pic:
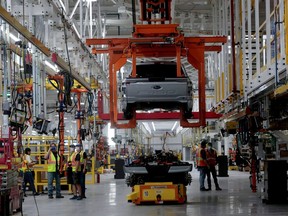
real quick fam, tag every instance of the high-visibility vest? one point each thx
(211, 157)
(81, 158)
(199, 160)
(52, 162)
(73, 157)
(24, 167)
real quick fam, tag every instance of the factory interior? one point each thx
(119, 104)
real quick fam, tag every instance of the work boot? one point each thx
(50, 196)
(74, 197)
(203, 189)
(218, 188)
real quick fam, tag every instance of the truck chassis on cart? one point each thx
(158, 178)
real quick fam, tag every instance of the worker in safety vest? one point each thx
(83, 162)
(68, 168)
(76, 169)
(53, 172)
(202, 164)
(211, 155)
(26, 168)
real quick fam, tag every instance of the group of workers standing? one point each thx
(206, 160)
(75, 167)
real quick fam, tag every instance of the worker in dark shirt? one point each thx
(202, 164)
(83, 162)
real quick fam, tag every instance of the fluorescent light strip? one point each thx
(76, 30)
(13, 37)
(174, 126)
(74, 9)
(51, 66)
(146, 127)
(153, 126)
(62, 4)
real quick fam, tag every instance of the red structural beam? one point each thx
(160, 116)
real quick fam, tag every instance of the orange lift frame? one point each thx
(156, 40)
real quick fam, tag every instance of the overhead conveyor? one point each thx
(158, 38)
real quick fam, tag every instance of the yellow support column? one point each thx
(222, 86)
(241, 74)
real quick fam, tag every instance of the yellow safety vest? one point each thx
(24, 167)
(73, 157)
(81, 158)
(52, 162)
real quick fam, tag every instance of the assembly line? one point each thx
(147, 107)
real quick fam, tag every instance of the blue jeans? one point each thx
(28, 178)
(51, 176)
(203, 173)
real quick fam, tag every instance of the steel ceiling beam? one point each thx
(40, 46)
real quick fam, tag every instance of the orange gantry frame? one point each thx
(78, 92)
(156, 40)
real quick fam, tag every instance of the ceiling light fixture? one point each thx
(53, 67)
(146, 126)
(13, 37)
(153, 126)
(174, 126)
(62, 5)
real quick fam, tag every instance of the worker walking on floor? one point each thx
(211, 155)
(27, 165)
(53, 171)
(202, 164)
(76, 169)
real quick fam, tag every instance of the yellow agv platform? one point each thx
(158, 193)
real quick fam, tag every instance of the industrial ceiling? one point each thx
(63, 26)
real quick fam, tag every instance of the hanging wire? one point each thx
(90, 98)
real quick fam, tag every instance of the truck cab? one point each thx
(156, 85)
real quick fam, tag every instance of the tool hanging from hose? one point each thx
(248, 127)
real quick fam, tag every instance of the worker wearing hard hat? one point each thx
(27, 165)
(54, 165)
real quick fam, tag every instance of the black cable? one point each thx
(14, 80)
(56, 87)
(90, 98)
(68, 80)
(51, 112)
(36, 205)
(68, 84)
(70, 111)
(66, 43)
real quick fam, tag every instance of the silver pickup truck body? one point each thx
(157, 86)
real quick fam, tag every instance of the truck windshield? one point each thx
(156, 70)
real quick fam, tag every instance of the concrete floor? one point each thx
(109, 198)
